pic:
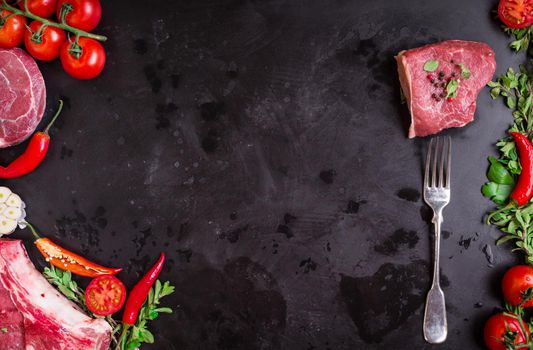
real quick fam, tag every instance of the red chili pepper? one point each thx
(523, 190)
(139, 293)
(33, 155)
(69, 261)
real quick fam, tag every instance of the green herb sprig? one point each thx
(516, 89)
(522, 39)
(62, 280)
(133, 338)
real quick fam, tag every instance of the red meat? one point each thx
(431, 111)
(22, 96)
(37, 316)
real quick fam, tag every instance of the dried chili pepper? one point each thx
(67, 260)
(140, 291)
(523, 190)
(34, 153)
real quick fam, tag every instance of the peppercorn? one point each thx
(438, 99)
(432, 81)
(442, 84)
(442, 95)
(453, 74)
(441, 74)
(434, 95)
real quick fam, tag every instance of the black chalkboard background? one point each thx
(262, 146)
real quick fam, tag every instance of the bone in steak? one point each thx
(425, 93)
(38, 317)
(22, 96)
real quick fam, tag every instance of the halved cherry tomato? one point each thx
(105, 295)
(517, 283)
(11, 29)
(82, 14)
(84, 60)
(504, 326)
(41, 8)
(44, 43)
(516, 13)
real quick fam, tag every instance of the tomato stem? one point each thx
(26, 13)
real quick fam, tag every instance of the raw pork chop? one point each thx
(41, 318)
(431, 111)
(22, 96)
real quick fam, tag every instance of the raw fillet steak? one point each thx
(22, 96)
(432, 112)
(50, 321)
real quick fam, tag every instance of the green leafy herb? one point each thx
(465, 72)
(63, 281)
(4, 330)
(431, 65)
(451, 88)
(516, 90)
(498, 173)
(132, 338)
(522, 39)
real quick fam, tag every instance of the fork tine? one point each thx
(449, 163)
(428, 161)
(434, 165)
(441, 164)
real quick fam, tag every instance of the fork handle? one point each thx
(435, 324)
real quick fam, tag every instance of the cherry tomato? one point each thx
(515, 283)
(41, 8)
(89, 64)
(516, 13)
(503, 324)
(44, 44)
(11, 29)
(83, 14)
(105, 295)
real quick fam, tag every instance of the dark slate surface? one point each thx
(262, 145)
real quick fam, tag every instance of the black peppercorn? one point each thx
(442, 95)
(438, 99)
(453, 74)
(441, 74)
(442, 84)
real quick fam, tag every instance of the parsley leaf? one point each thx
(4, 330)
(451, 88)
(465, 72)
(431, 65)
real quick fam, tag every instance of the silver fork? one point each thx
(437, 196)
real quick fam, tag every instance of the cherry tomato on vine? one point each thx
(516, 13)
(502, 328)
(81, 14)
(105, 295)
(44, 43)
(516, 284)
(84, 60)
(11, 29)
(41, 8)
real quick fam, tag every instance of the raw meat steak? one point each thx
(22, 96)
(40, 317)
(425, 93)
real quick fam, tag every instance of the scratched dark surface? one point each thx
(262, 146)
